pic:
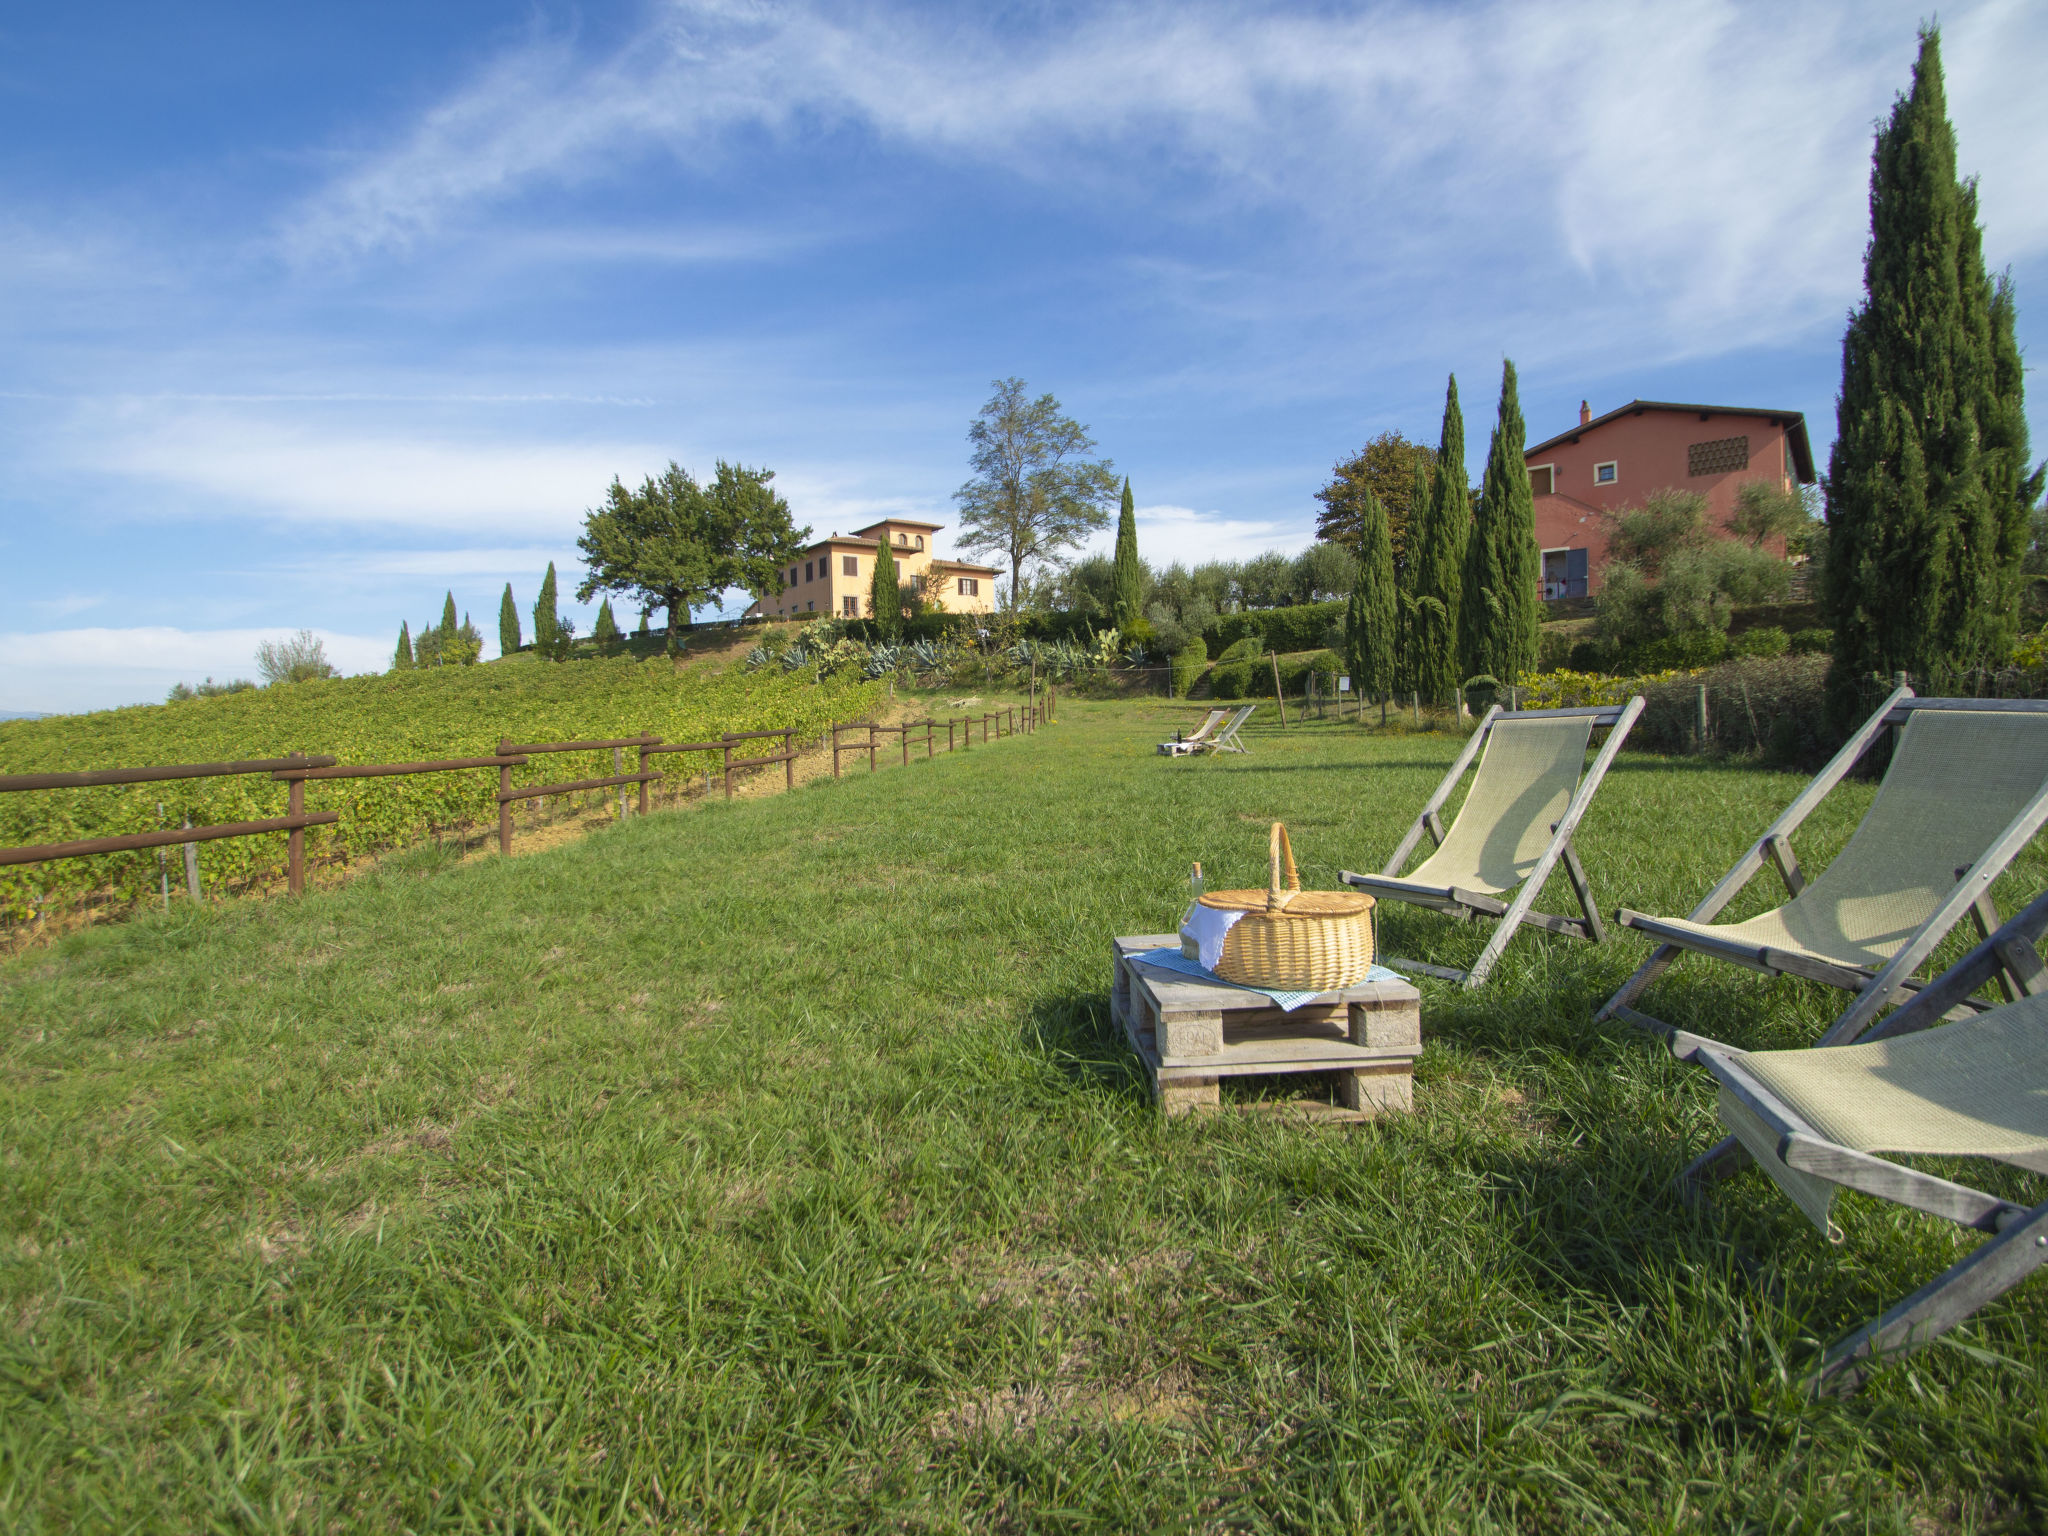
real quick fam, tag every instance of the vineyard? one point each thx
(399, 717)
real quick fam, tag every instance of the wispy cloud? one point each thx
(1704, 158)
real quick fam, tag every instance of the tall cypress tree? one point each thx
(1406, 678)
(508, 623)
(449, 623)
(1497, 619)
(885, 596)
(1369, 628)
(402, 660)
(1128, 583)
(1927, 484)
(606, 632)
(1439, 558)
(547, 628)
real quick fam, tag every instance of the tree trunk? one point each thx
(678, 615)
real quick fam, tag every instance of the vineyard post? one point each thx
(191, 865)
(295, 840)
(504, 805)
(871, 746)
(619, 767)
(789, 753)
(728, 770)
(644, 745)
(835, 750)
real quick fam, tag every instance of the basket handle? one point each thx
(1282, 852)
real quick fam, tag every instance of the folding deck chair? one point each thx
(1966, 791)
(1226, 740)
(1194, 739)
(1812, 1119)
(1514, 828)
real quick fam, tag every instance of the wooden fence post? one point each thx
(728, 770)
(871, 746)
(789, 759)
(295, 840)
(504, 805)
(191, 865)
(1700, 721)
(643, 768)
(1274, 657)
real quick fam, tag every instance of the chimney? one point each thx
(1585, 413)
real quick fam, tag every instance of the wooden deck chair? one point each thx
(1194, 739)
(1966, 791)
(1226, 740)
(1514, 828)
(1814, 1120)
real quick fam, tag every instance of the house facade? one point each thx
(834, 575)
(1620, 458)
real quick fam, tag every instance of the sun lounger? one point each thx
(1966, 791)
(1226, 740)
(1815, 1119)
(1513, 830)
(1194, 739)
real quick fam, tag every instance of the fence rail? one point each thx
(298, 770)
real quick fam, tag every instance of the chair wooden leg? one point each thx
(1987, 1274)
(1583, 889)
(1635, 986)
(1724, 1159)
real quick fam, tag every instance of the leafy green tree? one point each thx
(296, 659)
(1326, 571)
(1386, 467)
(1130, 574)
(678, 545)
(509, 638)
(1764, 512)
(1649, 533)
(548, 640)
(1034, 491)
(885, 600)
(1369, 631)
(1439, 559)
(403, 660)
(1928, 489)
(1497, 619)
(427, 647)
(606, 631)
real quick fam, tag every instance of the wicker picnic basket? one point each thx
(1294, 940)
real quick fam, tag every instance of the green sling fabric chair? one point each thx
(1226, 740)
(1513, 830)
(1815, 1119)
(1966, 791)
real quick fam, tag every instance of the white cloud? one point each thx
(1169, 534)
(389, 479)
(1703, 161)
(66, 670)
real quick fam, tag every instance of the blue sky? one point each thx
(309, 313)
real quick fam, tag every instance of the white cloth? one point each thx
(1207, 926)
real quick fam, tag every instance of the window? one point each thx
(792, 575)
(811, 607)
(902, 537)
(1564, 574)
(850, 606)
(1722, 456)
(849, 565)
(1542, 479)
(1606, 474)
(970, 586)
(920, 541)
(807, 570)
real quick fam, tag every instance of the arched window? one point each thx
(902, 537)
(920, 541)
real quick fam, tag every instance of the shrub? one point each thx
(1232, 680)
(1188, 663)
(1768, 641)
(1304, 627)
(1481, 692)
(1587, 656)
(1812, 642)
(1250, 648)
(1690, 648)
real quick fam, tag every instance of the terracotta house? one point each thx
(834, 575)
(1645, 446)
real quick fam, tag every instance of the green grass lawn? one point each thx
(774, 1166)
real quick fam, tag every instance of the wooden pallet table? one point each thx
(1192, 1033)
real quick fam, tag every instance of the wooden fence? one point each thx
(298, 769)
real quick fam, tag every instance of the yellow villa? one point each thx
(835, 574)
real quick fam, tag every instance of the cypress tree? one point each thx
(1369, 630)
(402, 661)
(449, 624)
(884, 595)
(1405, 678)
(1927, 484)
(547, 628)
(1497, 620)
(508, 623)
(1439, 558)
(606, 632)
(426, 649)
(1127, 581)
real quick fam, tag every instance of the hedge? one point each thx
(1187, 664)
(1253, 678)
(1305, 627)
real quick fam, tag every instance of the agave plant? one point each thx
(797, 657)
(882, 660)
(926, 655)
(758, 658)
